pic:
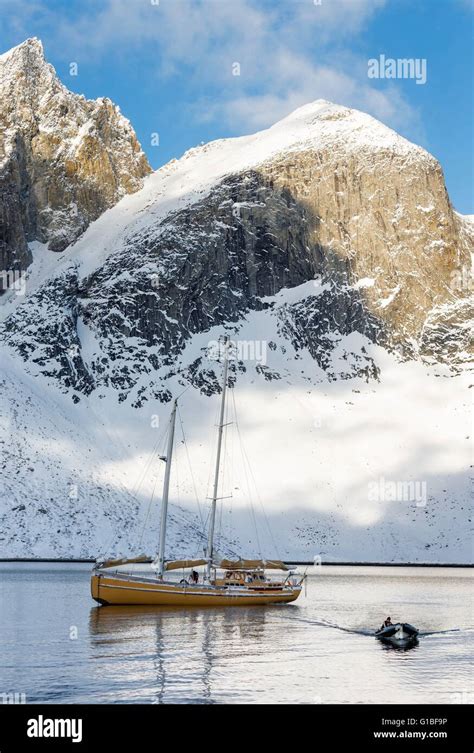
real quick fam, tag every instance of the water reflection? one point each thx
(181, 646)
(320, 649)
(392, 647)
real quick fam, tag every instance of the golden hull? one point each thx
(107, 589)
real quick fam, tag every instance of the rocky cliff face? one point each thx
(63, 159)
(345, 202)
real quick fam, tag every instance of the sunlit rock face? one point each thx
(346, 203)
(63, 159)
(384, 213)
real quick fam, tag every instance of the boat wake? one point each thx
(371, 631)
(335, 626)
(442, 632)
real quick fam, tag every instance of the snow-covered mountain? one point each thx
(63, 159)
(327, 247)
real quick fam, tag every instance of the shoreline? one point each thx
(299, 563)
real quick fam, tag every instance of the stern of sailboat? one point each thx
(95, 589)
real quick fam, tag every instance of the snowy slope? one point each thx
(313, 453)
(67, 489)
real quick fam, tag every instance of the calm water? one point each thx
(57, 646)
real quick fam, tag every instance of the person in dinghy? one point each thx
(400, 634)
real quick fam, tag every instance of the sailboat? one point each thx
(224, 582)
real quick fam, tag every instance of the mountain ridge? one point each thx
(328, 247)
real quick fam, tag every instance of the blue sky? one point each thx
(169, 64)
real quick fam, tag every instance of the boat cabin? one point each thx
(247, 578)
(242, 577)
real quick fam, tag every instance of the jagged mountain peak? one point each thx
(327, 193)
(21, 52)
(367, 206)
(24, 70)
(63, 159)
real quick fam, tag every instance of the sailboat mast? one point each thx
(166, 488)
(210, 540)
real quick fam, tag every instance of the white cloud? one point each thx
(186, 27)
(288, 79)
(290, 51)
(261, 110)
